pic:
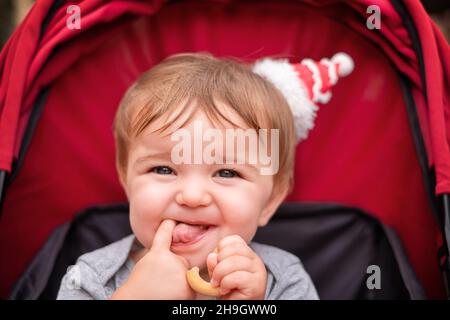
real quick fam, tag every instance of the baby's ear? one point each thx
(276, 198)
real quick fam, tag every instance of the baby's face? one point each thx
(208, 201)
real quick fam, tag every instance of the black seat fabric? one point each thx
(336, 244)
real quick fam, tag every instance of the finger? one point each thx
(235, 249)
(230, 240)
(230, 265)
(211, 262)
(235, 281)
(163, 236)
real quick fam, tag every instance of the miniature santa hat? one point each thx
(305, 84)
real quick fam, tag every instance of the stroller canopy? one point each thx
(381, 144)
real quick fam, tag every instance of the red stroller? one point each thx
(372, 181)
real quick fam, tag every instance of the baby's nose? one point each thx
(193, 196)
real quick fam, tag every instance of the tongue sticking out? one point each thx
(184, 233)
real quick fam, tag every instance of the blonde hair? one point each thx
(182, 78)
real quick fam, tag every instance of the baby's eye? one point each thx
(162, 170)
(227, 173)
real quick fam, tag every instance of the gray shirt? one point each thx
(99, 273)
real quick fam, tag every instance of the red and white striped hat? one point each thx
(305, 84)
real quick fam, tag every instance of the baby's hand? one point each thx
(237, 270)
(160, 274)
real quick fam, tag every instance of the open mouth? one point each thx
(187, 234)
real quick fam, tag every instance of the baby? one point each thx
(196, 201)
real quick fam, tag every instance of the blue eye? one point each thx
(162, 170)
(227, 173)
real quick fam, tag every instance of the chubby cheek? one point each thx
(240, 212)
(147, 203)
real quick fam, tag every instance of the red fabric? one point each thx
(360, 153)
(324, 76)
(436, 54)
(307, 78)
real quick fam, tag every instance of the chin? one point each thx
(196, 260)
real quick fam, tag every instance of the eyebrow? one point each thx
(235, 162)
(167, 155)
(157, 155)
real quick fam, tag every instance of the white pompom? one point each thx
(346, 64)
(284, 77)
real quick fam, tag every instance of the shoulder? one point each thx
(287, 278)
(87, 279)
(107, 260)
(274, 258)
